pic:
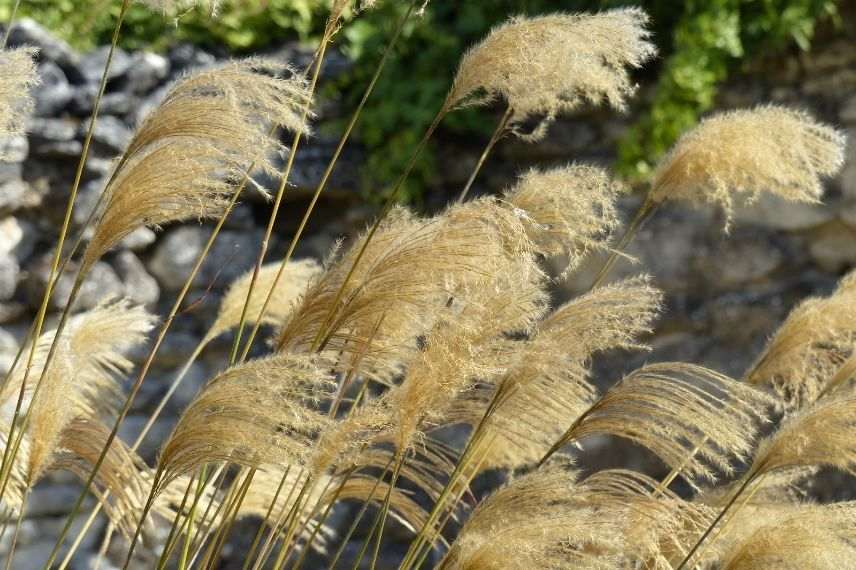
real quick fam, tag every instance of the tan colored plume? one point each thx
(568, 210)
(547, 383)
(188, 156)
(292, 285)
(809, 348)
(739, 155)
(547, 65)
(691, 417)
(811, 536)
(260, 412)
(83, 376)
(18, 73)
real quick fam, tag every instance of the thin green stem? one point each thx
(258, 537)
(66, 224)
(331, 502)
(384, 512)
(642, 215)
(11, 554)
(231, 516)
(9, 24)
(173, 531)
(748, 480)
(497, 134)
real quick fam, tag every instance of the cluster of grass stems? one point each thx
(422, 323)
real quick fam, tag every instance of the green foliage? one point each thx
(701, 42)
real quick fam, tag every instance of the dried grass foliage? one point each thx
(291, 286)
(192, 152)
(809, 348)
(548, 65)
(692, 418)
(256, 413)
(433, 321)
(18, 73)
(738, 155)
(568, 210)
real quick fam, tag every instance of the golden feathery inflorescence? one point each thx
(547, 65)
(190, 153)
(809, 348)
(739, 155)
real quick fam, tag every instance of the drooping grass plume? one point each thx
(547, 65)
(83, 379)
(550, 519)
(687, 415)
(18, 70)
(811, 536)
(410, 269)
(568, 210)
(259, 412)
(739, 155)
(186, 157)
(547, 383)
(293, 284)
(809, 348)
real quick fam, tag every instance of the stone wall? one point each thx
(725, 294)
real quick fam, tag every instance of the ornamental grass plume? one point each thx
(188, 156)
(809, 349)
(739, 155)
(295, 280)
(692, 418)
(547, 65)
(548, 381)
(568, 210)
(811, 536)
(256, 413)
(18, 73)
(83, 380)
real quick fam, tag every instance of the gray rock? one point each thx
(138, 240)
(832, 247)
(773, 212)
(83, 100)
(848, 173)
(186, 56)
(119, 103)
(145, 72)
(110, 134)
(17, 238)
(92, 64)
(102, 283)
(139, 285)
(54, 92)
(848, 111)
(26, 32)
(232, 254)
(87, 199)
(15, 195)
(9, 272)
(54, 138)
(13, 149)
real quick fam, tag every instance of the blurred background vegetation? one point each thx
(700, 42)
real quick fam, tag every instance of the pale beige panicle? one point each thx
(547, 383)
(739, 155)
(260, 412)
(547, 65)
(819, 435)
(463, 347)
(82, 379)
(809, 348)
(689, 416)
(195, 149)
(293, 282)
(818, 537)
(122, 474)
(410, 269)
(17, 78)
(549, 519)
(568, 210)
